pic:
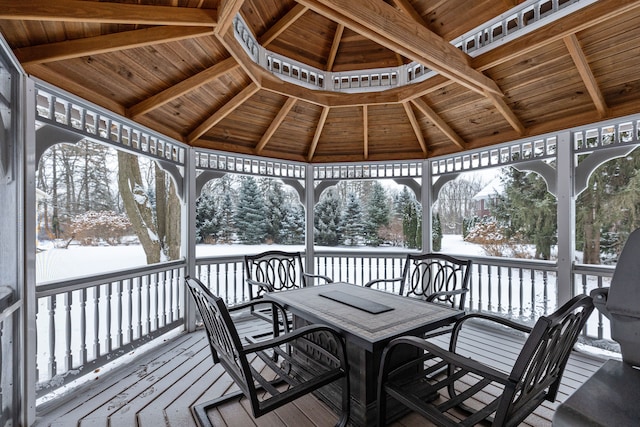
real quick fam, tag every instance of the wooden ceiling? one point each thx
(176, 67)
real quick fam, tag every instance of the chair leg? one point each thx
(200, 411)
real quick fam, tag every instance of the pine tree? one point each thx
(293, 224)
(250, 213)
(327, 220)
(377, 214)
(352, 227)
(275, 210)
(207, 225)
(528, 209)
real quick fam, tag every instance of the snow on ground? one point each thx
(54, 264)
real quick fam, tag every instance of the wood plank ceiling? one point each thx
(176, 67)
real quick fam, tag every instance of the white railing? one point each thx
(84, 323)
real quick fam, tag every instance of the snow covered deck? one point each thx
(158, 388)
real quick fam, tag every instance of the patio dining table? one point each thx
(368, 319)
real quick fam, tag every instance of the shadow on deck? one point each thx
(158, 388)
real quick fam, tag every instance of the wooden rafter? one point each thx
(439, 123)
(285, 22)
(185, 86)
(337, 36)
(104, 12)
(506, 112)
(223, 112)
(592, 15)
(391, 28)
(416, 127)
(575, 50)
(226, 13)
(275, 124)
(57, 51)
(407, 7)
(365, 131)
(316, 136)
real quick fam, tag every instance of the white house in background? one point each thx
(485, 197)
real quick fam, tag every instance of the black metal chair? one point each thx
(274, 271)
(310, 358)
(435, 278)
(455, 398)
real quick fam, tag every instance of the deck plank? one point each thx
(158, 388)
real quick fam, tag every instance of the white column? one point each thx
(427, 203)
(25, 175)
(566, 217)
(188, 228)
(309, 204)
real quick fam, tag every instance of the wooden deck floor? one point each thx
(158, 388)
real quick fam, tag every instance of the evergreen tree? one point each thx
(352, 227)
(250, 213)
(377, 214)
(409, 211)
(608, 210)
(293, 225)
(275, 210)
(327, 220)
(528, 210)
(436, 236)
(207, 224)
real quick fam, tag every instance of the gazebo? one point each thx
(308, 91)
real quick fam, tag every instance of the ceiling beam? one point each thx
(439, 123)
(506, 112)
(62, 81)
(577, 54)
(391, 28)
(407, 7)
(223, 112)
(416, 127)
(592, 15)
(105, 13)
(183, 87)
(107, 43)
(275, 124)
(316, 136)
(285, 22)
(228, 9)
(365, 130)
(337, 37)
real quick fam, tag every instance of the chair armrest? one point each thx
(449, 357)
(376, 281)
(279, 309)
(295, 334)
(267, 287)
(492, 318)
(435, 295)
(319, 276)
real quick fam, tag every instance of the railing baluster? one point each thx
(120, 334)
(108, 342)
(52, 336)
(68, 356)
(96, 321)
(83, 326)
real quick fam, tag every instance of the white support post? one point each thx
(26, 177)
(565, 217)
(309, 204)
(427, 205)
(189, 232)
